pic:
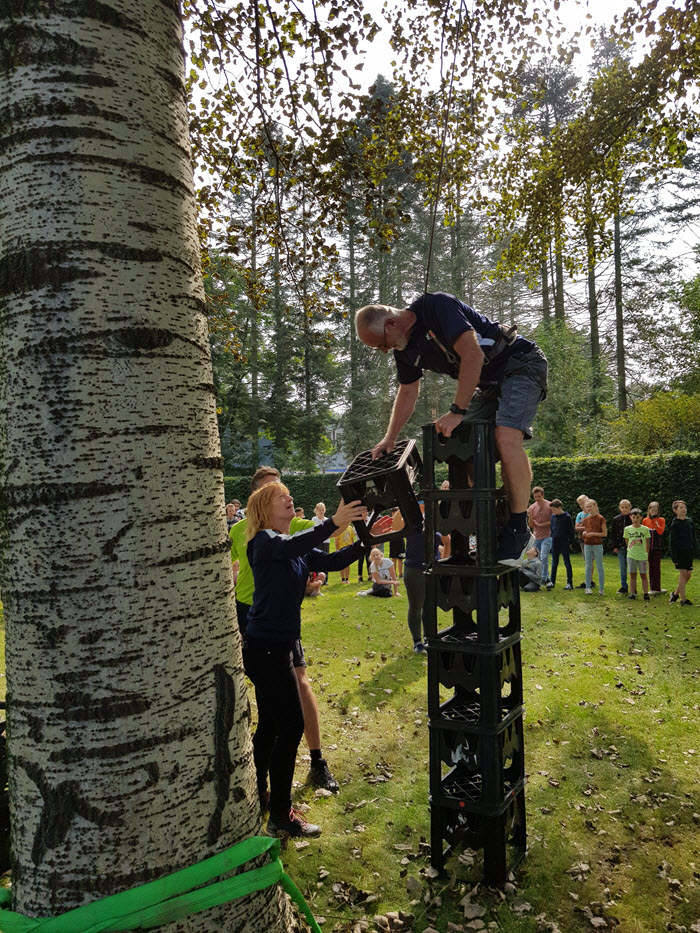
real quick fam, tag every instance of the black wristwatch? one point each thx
(456, 410)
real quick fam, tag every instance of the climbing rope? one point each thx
(170, 898)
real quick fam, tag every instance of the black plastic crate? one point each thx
(501, 836)
(476, 768)
(382, 484)
(470, 592)
(479, 689)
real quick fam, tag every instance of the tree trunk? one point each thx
(559, 312)
(619, 324)
(253, 363)
(128, 715)
(593, 314)
(544, 278)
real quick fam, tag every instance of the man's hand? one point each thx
(385, 446)
(447, 424)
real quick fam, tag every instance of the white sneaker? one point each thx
(602, 592)
(588, 592)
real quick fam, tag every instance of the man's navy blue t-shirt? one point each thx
(448, 318)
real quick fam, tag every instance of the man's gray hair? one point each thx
(373, 318)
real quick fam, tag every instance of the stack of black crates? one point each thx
(475, 683)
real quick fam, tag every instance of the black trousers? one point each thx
(561, 548)
(280, 719)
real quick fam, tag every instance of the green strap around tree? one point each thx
(170, 898)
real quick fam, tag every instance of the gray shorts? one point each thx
(636, 566)
(298, 659)
(522, 391)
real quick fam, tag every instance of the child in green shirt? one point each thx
(638, 538)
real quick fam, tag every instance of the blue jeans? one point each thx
(591, 551)
(544, 546)
(622, 560)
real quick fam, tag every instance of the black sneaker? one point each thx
(320, 776)
(686, 602)
(513, 545)
(673, 597)
(632, 596)
(294, 825)
(623, 589)
(646, 596)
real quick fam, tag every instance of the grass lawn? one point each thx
(612, 756)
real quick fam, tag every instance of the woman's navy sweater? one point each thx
(281, 565)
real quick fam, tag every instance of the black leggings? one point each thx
(414, 581)
(280, 719)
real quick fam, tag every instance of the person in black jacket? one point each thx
(683, 545)
(563, 535)
(281, 564)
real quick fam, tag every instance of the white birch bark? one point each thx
(128, 721)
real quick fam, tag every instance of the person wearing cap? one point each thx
(442, 334)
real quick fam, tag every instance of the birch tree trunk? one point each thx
(129, 748)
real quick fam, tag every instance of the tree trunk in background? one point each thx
(619, 324)
(559, 312)
(253, 362)
(593, 314)
(544, 278)
(128, 715)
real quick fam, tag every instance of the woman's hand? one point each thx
(382, 525)
(349, 512)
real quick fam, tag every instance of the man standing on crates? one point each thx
(440, 333)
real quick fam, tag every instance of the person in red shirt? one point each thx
(657, 526)
(539, 517)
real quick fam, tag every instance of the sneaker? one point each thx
(686, 602)
(647, 596)
(623, 589)
(569, 586)
(420, 648)
(581, 586)
(512, 546)
(673, 597)
(631, 596)
(360, 580)
(294, 825)
(320, 776)
(550, 585)
(662, 591)
(601, 592)
(589, 592)
(363, 592)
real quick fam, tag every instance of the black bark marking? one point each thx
(34, 107)
(223, 766)
(52, 132)
(22, 45)
(209, 550)
(109, 547)
(147, 228)
(208, 463)
(173, 80)
(207, 387)
(35, 727)
(54, 264)
(76, 79)
(153, 772)
(55, 494)
(149, 176)
(91, 638)
(80, 706)
(107, 752)
(61, 804)
(74, 9)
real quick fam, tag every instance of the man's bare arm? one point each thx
(404, 404)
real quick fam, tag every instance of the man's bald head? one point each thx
(382, 327)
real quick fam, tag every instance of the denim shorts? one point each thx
(636, 566)
(298, 659)
(522, 391)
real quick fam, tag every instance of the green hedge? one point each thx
(663, 477)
